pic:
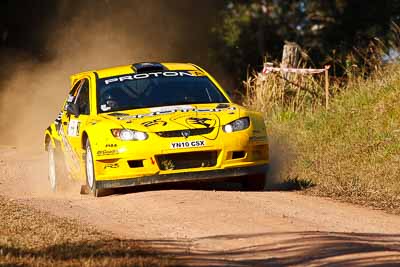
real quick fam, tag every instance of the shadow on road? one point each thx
(230, 185)
(227, 185)
(304, 248)
(280, 249)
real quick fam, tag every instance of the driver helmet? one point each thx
(110, 101)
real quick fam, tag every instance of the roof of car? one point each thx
(138, 67)
(135, 68)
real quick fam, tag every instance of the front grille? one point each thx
(187, 160)
(179, 133)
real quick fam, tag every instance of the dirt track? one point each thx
(216, 228)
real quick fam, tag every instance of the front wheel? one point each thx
(90, 173)
(57, 169)
(255, 182)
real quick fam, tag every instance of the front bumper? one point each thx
(155, 160)
(184, 176)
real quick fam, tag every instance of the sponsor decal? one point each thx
(68, 151)
(141, 76)
(188, 144)
(111, 166)
(111, 145)
(156, 113)
(172, 108)
(200, 121)
(154, 122)
(70, 99)
(106, 152)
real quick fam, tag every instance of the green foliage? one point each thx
(247, 32)
(328, 30)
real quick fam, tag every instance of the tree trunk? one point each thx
(291, 55)
(290, 59)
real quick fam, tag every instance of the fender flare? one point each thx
(91, 133)
(52, 136)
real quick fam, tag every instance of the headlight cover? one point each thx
(129, 135)
(237, 125)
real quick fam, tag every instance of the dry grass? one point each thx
(275, 92)
(30, 237)
(352, 151)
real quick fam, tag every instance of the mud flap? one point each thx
(84, 190)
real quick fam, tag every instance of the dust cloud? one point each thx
(93, 35)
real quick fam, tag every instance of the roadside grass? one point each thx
(351, 152)
(29, 237)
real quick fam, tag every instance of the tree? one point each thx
(250, 30)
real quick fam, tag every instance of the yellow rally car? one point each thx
(154, 123)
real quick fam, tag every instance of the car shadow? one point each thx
(202, 186)
(233, 184)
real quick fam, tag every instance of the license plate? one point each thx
(188, 144)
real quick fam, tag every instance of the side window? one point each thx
(82, 99)
(74, 91)
(72, 94)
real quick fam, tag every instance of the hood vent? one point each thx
(145, 67)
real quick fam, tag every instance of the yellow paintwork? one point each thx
(111, 155)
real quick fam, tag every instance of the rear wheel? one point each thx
(57, 168)
(255, 182)
(90, 173)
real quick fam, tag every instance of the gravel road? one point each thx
(225, 227)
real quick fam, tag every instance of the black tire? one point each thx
(255, 182)
(90, 172)
(57, 169)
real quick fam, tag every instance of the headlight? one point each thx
(129, 135)
(237, 125)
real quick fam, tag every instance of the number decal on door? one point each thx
(73, 128)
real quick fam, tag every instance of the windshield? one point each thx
(155, 89)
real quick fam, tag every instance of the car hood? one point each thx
(172, 118)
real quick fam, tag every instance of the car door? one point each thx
(73, 125)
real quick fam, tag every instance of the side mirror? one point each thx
(73, 109)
